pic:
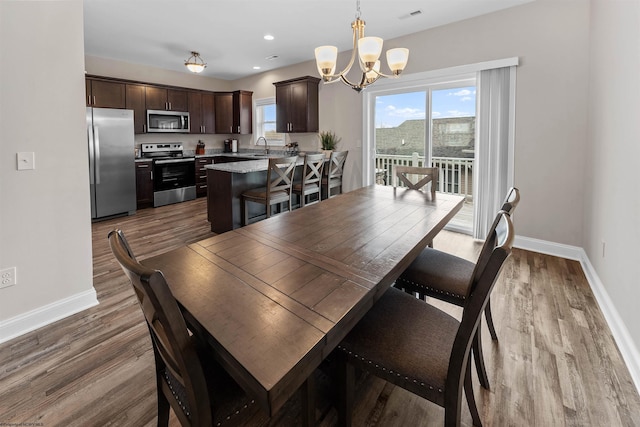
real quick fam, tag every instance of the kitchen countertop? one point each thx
(247, 166)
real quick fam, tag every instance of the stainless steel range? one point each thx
(174, 175)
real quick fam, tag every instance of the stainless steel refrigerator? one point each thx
(111, 162)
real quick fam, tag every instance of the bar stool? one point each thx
(311, 178)
(333, 178)
(277, 190)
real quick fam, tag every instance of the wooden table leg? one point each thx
(308, 402)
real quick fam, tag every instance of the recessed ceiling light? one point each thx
(268, 37)
(256, 68)
(271, 58)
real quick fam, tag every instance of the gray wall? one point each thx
(551, 39)
(45, 215)
(612, 199)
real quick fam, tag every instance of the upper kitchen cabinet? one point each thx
(136, 102)
(105, 94)
(159, 98)
(201, 112)
(297, 105)
(233, 112)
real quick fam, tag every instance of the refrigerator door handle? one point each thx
(91, 154)
(97, 153)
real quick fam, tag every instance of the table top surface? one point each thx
(277, 296)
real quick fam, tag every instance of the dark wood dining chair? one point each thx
(446, 277)
(404, 175)
(311, 178)
(188, 379)
(277, 189)
(333, 178)
(420, 348)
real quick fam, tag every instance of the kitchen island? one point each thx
(225, 184)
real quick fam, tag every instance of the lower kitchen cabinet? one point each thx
(144, 184)
(201, 175)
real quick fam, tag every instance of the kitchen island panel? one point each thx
(224, 197)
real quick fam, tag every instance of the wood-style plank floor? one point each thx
(556, 363)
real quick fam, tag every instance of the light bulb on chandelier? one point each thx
(368, 50)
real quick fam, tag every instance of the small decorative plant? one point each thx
(329, 140)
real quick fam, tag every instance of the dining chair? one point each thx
(404, 174)
(333, 178)
(311, 178)
(419, 347)
(188, 378)
(446, 277)
(278, 187)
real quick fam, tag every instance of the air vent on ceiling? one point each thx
(411, 14)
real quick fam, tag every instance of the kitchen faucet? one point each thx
(266, 144)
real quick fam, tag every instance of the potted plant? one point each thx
(329, 141)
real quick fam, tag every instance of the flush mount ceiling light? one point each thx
(368, 50)
(195, 64)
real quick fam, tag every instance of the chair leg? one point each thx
(163, 409)
(471, 400)
(478, 357)
(245, 213)
(489, 317)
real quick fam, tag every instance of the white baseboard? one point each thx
(42, 316)
(619, 330)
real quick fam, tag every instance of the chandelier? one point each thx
(368, 50)
(195, 64)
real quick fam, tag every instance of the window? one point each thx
(265, 121)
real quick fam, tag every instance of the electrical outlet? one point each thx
(7, 277)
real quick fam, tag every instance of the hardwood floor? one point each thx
(556, 363)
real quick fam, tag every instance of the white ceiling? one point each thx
(229, 33)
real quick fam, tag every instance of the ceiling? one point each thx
(229, 34)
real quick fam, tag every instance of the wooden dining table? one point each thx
(276, 297)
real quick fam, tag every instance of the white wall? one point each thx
(45, 216)
(612, 205)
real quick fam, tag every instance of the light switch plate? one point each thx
(26, 161)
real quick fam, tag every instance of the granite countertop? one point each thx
(247, 166)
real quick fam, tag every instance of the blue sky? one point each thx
(392, 110)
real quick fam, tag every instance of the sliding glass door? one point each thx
(429, 125)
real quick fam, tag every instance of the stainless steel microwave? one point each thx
(167, 121)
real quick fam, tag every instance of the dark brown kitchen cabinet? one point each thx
(136, 102)
(297, 105)
(105, 94)
(159, 98)
(201, 175)
(224, 112)
(201, 112)
(233, 112)
(144, 184)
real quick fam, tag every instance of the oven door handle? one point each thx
(164, 162)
